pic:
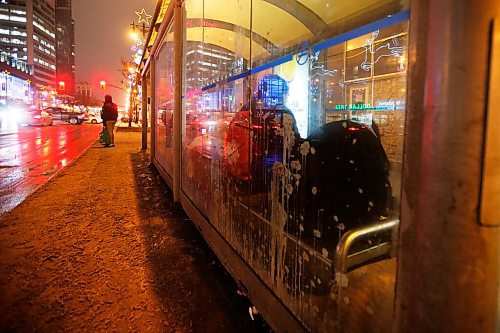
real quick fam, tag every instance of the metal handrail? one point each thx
(350, 237)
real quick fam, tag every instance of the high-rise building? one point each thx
(27, 33)
(65, 47)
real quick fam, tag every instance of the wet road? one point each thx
(30, 156)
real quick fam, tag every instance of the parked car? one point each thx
(72, 117)
(94, 118)
(40, 118)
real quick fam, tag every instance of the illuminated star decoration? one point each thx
(143, 17)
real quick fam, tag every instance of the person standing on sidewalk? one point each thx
(109, 115)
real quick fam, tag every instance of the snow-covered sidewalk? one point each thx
(102, 248)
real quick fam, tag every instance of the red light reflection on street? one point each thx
(30, 157)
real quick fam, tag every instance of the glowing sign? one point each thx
(386, 50)
(143, 17)
(361, 106)
(298, 96)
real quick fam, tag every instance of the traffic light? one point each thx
(62, 85)
(103, 85)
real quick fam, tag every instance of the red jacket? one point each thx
(109, 112)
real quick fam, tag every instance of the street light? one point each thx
(28, 81)
(7, 73)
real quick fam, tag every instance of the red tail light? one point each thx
(257, 127)
(353, 129)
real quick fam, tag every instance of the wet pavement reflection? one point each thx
(30, 156)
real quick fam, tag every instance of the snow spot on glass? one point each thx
(313, 285)
(314, 190)
(317, 233)
(304, 148)
(360, 190)
(347, 301)
(287, 269)
(336, 218)
(370, 203)
(296, 165)
(289, 189)
(354, 141)
(341, 280)
(313, 150)
(301, 227)
(344, 124)
(341, 226)
(324, 252)
(278, 169)
(351, 161)
(232, 152)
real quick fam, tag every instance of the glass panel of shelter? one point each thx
(285, 161)
(228, 50)
(160, 100)
(324, 170)
(196, 175)
(168, 85)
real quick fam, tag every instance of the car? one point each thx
(40, 118)
(72, 117)
(94, 118)
(15, 114)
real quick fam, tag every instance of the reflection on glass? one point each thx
(286, 156)
(165, 103)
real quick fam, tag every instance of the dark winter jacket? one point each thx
(109, 112)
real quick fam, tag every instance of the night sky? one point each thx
(102, 37)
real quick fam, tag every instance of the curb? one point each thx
(130, 129)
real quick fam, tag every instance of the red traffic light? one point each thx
(62, 85)
(103, 85)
